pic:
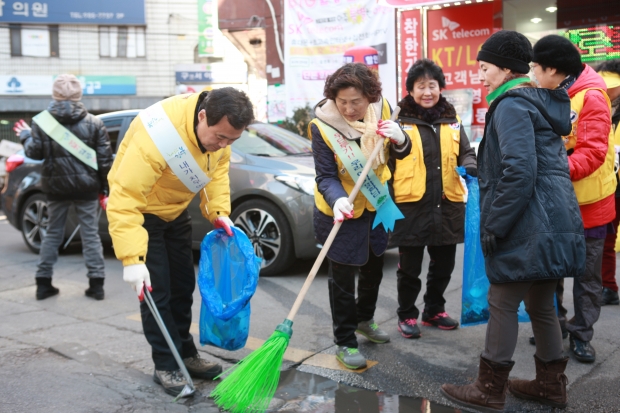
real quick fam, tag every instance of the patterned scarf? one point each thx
(369, 137)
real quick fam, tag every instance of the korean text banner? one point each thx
(207, 26)
(410, 44)
(317, 33)
(454, 37)
(110, 12)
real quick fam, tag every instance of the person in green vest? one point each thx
(70, 178)
(429, 192)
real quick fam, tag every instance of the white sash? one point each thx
(173, 148)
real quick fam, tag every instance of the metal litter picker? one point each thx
(253, 381)
(189, 388)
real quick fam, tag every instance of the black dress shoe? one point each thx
(533, 340)
(610, 297)
(582, 350)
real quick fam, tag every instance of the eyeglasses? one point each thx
(533, 65)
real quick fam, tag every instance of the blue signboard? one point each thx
(108, 85)
(13, 85)
(108, 12)
(194, 77)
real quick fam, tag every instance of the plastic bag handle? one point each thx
(337, 225)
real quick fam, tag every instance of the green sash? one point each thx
(71, 143)
(172, 147)
(376, 193)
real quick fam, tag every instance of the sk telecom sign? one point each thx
(108, 12)
(454, 37)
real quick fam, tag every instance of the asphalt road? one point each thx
(70, 353)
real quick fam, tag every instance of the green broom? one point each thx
(253, 381)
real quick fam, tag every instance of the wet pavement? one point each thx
(304, 392)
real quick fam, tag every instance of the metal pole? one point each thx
(189, 388)
(78, 228)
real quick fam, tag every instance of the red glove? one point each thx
(226, 223)
(103, 201)
(20, 126)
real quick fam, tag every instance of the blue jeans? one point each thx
(55, 235)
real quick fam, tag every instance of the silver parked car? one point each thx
(271, 181)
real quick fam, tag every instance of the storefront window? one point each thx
(593, 25)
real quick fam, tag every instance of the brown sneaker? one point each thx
(202, 369)
(173, 381)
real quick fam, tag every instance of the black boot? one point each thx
(96, 288)
(45, 288)
(610, 297)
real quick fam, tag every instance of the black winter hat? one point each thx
(559, 53)
(507, 49)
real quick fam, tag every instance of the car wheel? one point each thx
(34, 220)
(267, 228)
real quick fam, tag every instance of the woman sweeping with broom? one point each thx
(349, 123)
(349, 135)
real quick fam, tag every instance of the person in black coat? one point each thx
(68, 181)
(530, 225)
(429, 192)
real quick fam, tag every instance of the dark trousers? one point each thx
(503, 328)
(609, 254)
(437, 279)
(171, 267)
(587, 293)
(346, 310)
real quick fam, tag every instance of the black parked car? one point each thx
(271, 182)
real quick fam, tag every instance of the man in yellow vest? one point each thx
(557, 65)
(173, 150)
(610, 72)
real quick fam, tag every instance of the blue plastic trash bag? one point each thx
(475, 307)
(227, 279)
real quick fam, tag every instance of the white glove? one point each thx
(342, 209)
(390, 129)
(137, 275)
(226, 223)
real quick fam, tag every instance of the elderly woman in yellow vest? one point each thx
(429, 192)
(349, 123)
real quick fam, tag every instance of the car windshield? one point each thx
(263, 139)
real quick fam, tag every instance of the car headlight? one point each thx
(301, 183)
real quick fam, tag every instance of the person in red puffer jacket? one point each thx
(610, 72)
(557, 64)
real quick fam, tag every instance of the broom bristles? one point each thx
(254, 380)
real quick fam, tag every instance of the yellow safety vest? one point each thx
(361, 203)
(410, 172)
(615, 129)
(602, 182)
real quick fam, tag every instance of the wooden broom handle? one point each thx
(336, 227)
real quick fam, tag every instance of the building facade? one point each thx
(128, 54)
